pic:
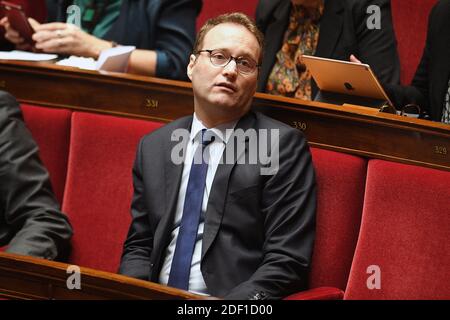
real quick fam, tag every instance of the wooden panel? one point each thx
(350, 129)
(375, 135)
(24, 277)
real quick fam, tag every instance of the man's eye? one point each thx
(219, 56)
(245, 63)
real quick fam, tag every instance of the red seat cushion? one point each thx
(51, 130)
(340, 184)
(405, 231)
(99, 186)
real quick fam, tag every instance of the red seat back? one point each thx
(51, 130)
(99, 186)
(410, 25)
(340, 185)
(213, 8)
(405, 232)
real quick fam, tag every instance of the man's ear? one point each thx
(190, 66)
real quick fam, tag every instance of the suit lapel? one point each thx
(273, 40)
(330, 31)
(330, 28)
(216, 202)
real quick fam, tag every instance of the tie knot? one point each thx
(207, 137)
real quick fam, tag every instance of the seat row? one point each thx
(382, 227)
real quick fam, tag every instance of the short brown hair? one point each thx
(234, 17)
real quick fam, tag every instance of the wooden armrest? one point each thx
(321, 293)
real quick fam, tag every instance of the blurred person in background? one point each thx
(163, 32)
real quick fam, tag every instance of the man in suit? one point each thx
(430, 87)
(254, 236)
(335, 29)
(30, 220)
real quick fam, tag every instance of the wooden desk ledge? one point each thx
(23, 277)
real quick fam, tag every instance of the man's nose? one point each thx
(231, 68)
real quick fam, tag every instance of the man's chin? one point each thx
(225, 103)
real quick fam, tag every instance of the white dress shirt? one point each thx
(221, 133)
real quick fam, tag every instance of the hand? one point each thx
(13, 36)
(354, 59)
(63, 38)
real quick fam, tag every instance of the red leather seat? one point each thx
(340, 195)
(51, 130)
(213, 8)
(405, 233)
(410, 25)
(99, 186)
(340, 185)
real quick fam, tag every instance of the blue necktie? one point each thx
(187, 234)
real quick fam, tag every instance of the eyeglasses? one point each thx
(410, 110)
(221, 58)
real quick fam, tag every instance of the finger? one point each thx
(42, 36)
(354, 59)
(34, 24)
(53, 26)
(14, 37)
(12, 33)
(58, 45)
(4, 21)
(71, 30)
(5, 24)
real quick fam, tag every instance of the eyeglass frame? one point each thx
(404, 109)
(257, 66)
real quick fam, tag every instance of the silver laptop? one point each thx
(343, 82)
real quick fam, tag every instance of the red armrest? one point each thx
(321, 293)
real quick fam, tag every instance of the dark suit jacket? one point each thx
(259, 230)
(430, 83)
(343, 31)
(30, 219)
(166, 26)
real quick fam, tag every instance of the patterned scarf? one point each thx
(289, 76)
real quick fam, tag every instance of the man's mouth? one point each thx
(227, 85)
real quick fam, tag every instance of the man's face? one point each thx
(224, 91)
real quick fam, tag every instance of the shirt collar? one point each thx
(222, 131)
